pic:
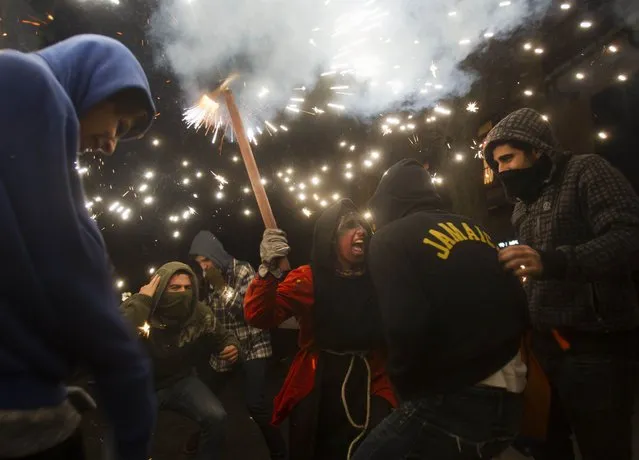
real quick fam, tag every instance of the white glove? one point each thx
(273, 248)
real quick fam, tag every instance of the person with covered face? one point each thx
(453, 320)
(336, 389)
(226, 281)
(178, 330)
(577, 221)
(58, 308)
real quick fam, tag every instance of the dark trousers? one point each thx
(475, 423)
(593, 386)
(259, 408)
(335, 433)
(70, 448)
(191, 398)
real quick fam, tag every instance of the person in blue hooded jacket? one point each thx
(58, 308)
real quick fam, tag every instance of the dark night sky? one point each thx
(146, 238)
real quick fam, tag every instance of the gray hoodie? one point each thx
(585, 224)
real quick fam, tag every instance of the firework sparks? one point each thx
(145, 330)
(220, 179)
(205, 114)
(472, 107)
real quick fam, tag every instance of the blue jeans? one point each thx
(191, 398)
(474, 423)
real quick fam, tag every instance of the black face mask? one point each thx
(174, 307)
(526, 183)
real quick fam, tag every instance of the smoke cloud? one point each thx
(370, 55)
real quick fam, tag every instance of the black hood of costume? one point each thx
(405, 187)
(346, 315)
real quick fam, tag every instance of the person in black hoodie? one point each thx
(336, 389)
(453, 321)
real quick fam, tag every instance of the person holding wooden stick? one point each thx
(336, 389)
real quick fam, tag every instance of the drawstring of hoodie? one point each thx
(362, 427)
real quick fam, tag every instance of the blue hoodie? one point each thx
(58, 308)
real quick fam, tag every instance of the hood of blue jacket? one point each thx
(92, 68)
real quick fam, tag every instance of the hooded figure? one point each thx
(453, 322)
(527, 127)
(580, 216)
(86, 92)
(577, 222)
(226, 282)
(181, 328)
(178, 330)
(342, 301)
(207, 245)
(340, 336)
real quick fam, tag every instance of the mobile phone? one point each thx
(505, 244)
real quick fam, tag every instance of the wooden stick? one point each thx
(251, 167)
(249, 161)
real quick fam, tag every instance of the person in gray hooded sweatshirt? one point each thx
(227, 280)
(577, 221)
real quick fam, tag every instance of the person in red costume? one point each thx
(336, 390)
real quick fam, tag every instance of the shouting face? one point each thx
(352, 241)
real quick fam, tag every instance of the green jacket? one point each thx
(175, 348)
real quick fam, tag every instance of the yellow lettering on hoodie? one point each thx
(445, 240)
(482, 235)
(488, 241)
(453, 231)
(443, 253)
(469, 231)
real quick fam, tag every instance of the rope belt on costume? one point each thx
(362, 427)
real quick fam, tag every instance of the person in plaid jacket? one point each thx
(227, 280)
(577, 221)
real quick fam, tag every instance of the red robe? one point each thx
(267, 304)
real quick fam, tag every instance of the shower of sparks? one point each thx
(437, 180)
(205, 114)
(145, 330)
(472, 107)
(442, 110)
(220, 179)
